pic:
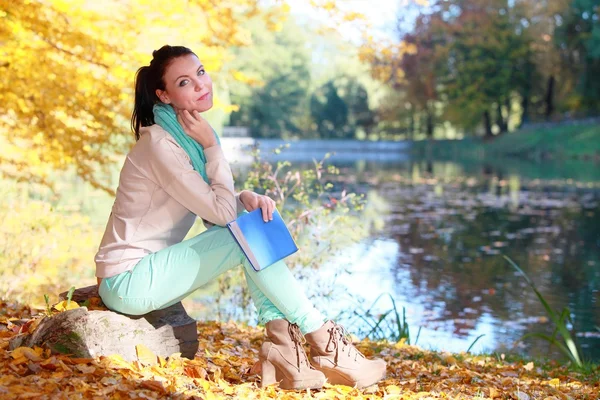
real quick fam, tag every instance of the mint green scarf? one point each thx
(165, 117)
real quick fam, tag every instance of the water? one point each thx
(439, 230)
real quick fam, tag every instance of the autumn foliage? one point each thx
(224, 367)
(67, 67)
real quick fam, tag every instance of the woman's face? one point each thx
(187, 85)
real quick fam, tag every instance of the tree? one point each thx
(356, 97)
(421, 71)
(66, 78)
(470, 59)
(273, 102)
(578, 38)
(485, 47)
(330, 112)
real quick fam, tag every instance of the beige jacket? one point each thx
(158, 198)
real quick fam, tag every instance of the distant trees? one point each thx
(282, 98)
(487, 65)
(341, 107)
(275, 102)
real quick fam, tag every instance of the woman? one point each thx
(175, 172)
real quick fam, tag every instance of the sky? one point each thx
(381, 14)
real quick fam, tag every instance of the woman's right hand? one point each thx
(197, 127)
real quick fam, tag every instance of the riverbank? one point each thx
(580, 142)
(223, 367)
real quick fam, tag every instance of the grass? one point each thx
(563, 142)
(388, 325)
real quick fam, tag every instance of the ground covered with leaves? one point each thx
(225, 366)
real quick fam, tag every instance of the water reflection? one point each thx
(439, 230)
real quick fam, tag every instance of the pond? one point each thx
(439, 230)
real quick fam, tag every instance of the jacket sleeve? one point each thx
(239, 205)
(171, 168)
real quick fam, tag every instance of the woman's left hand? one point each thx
(252, 201)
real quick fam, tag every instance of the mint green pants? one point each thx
(166, 277)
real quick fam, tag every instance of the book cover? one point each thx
(263, 243)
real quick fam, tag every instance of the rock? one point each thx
(87, 334)
(82, 294)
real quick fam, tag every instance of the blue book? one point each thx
(263, 243)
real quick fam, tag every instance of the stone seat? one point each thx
(87, 333)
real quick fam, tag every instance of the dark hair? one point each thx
(147, 80)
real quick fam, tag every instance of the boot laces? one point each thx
(299, 340)
(339, 335)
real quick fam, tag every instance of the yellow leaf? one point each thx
(392, 389)
(145, 355)
(63, 306)
(528, 366)
(117, 362)
(162, 362)
(26, 352)
(554, 383)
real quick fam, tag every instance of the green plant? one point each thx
(475, 341)
(381, 327)
(70, 295)
(323, 219)
(48, 307)
(315, 212)
(559, 319)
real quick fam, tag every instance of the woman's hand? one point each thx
(196, 127)
(252, 201)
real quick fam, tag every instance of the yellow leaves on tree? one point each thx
(385, 58)
(67, 67)
(60, 89)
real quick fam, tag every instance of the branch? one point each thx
(73, 54)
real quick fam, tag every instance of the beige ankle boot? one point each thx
(332, 352)
(284, 360)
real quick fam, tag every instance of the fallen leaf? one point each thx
(117, 362)
(26, 352)
(522, 396)
(154, 385)
(393, 389)
(554, 383)
(63, 306)
(145, 355)
(86, 369)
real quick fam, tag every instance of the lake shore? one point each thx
(579, 142)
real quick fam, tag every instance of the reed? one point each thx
(389, 325)
(559, 319)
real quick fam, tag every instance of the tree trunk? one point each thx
(500, 119)
(487, 123)
(550, 98)
(526, 94)
(429, 122)
(525, 108)
(508, 106)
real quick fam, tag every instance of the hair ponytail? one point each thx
(147, 80)
(145, 96)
